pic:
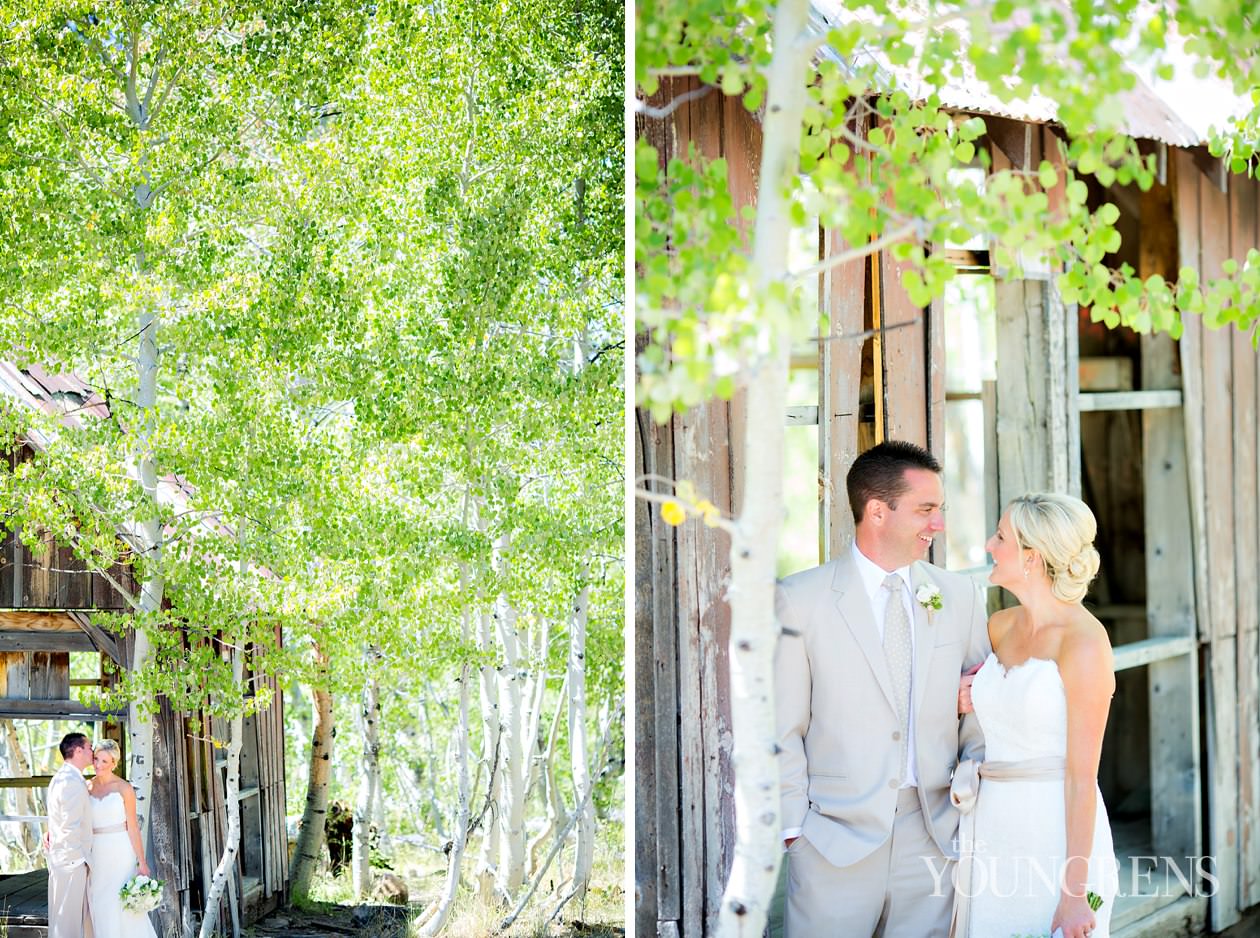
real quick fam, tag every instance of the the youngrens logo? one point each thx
(1142, 876)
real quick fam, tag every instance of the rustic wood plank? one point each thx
(702, 454)
(659, 453)
(1242, 197)
(1185, 180)
(50, 675)
(1223, 757)
(1130, 400)
(11, 620)
(903, 340)
(103, 641)
(1217, 375)
(1022, 361)
(17, 709)
(45, 642)
(39, 580)
(15, 675)
(1172, 684)
(840, 367)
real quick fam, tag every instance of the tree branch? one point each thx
(153, 80)
(854, 254)
(660, 113)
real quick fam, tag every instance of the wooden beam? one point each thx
(56, 710)
(1136, 654)
(840, 370)
(45, 641)
(33, 781)
(36, 621)
(104, 643)
(802, 416)
(1130, 400)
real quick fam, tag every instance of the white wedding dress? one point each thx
(1020, 837)
(113, 864)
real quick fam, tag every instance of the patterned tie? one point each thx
(897, 652)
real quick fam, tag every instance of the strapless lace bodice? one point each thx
(1022, 710)
(108, 811)
(1020, 829)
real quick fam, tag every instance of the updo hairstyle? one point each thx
(110, 748)
(1061, 530)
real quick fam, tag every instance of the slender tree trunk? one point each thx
(552, 802)
(139, 725)
(21, 768)
(227, 862)
(310, 841)
(512, 803)
(584, 851)
(754, 630)
(488, 861)
(535, 691)
(435, 920)
(369, 784)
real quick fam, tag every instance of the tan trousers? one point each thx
(68, 915)
(893, 893)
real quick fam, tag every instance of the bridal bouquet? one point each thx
(141, 894)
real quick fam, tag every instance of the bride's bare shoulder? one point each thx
(1000, 623)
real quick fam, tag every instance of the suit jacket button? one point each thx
(892, 783)
(897, 736)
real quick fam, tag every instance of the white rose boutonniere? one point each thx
(929, 596)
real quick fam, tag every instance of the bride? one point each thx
(117, 853)
(1037, 832)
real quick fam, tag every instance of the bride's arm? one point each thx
(133, 827)
(1089, 681)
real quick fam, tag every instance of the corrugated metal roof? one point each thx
(1153, 109)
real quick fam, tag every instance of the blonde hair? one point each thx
(111, 747)
(1061, 530)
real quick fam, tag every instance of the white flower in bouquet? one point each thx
(141, 894)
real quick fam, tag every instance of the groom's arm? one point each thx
(78, 822)
(970, 739)
(791, 698)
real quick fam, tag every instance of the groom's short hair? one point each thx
(71, 743)
(880, 472)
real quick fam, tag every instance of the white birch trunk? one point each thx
(754, 630)
(227, 862)
(584, 848)
(535, 691)
(488, 861)
(310, 841)
(369, 783)
(148, 530)
(20, 767)
(511, 873)
(550, 792)
(435, 918)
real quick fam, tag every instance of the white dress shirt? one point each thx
(872, 576)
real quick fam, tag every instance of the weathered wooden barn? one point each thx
(47, 601)
(1014, 391)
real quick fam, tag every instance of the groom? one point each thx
(69, 842)
(866, 688)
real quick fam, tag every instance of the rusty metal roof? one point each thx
(1178, 112)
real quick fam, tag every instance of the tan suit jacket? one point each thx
(69, 854)
(69, 819)
(837, 723)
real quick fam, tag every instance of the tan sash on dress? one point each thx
(963, 793)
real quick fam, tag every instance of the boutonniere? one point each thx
(929, 596)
